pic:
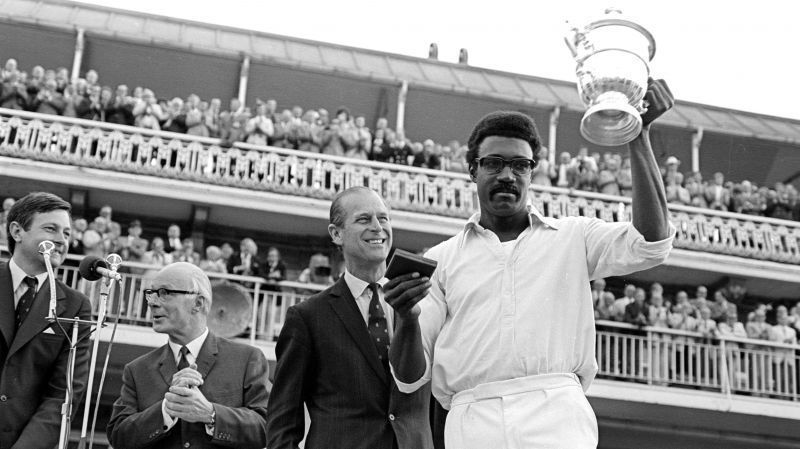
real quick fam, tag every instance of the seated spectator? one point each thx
(636, 312)
(717, 195)
(213, 262)
(598, 288)
(604, 309)
(133, 245)
(246, 262)
(7, 203)
(699, 299)
(285, 135)
(62, 79)
(783, 333)
(747, 201)
(227, 253)
(563, 172)
(10, 68)
(48, 100)
(119, 109)
(731, 327)
(260, 128)
(79, 227)
(13, 93)
(186, 253)
(721, 307)
(757, 327)
(682, 315)
(458, 162)
(705, 325)
(308, 132)
(676, 192)
(196, 123)
(621, 303)
(657, 313)
(175, 117)
(607, 177)
(211, 117)
(399, 150)
(157, 255)
(93, 238)
(363, 137)
(427, 157)
(275, 270)
(318, 271)
(696, 190)
(173, 242)
(670, 172)
(584, 169)
(111, 240)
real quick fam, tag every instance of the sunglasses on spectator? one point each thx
(493, 164)
(150, 294)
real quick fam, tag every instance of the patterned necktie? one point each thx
(26, 300)
(378, 330)
(184, 361)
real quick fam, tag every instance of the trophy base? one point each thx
(611, 123)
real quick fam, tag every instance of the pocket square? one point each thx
(49, 330)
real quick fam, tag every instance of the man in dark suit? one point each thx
(333, 349)
(198, 390)
(246, 262)
(34, 352)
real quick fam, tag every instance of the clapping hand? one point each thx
(184, 400)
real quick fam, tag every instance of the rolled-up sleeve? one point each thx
(616, 249)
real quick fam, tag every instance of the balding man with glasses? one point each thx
(198, 390)
(506, 333)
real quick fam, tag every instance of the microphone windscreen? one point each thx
(88, 267)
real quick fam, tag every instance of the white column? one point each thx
(551, 144)
(78, 57)
(697, 139)
(244, 74)
(401, 108)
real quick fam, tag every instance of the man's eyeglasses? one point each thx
(151, 294)
(493, 164)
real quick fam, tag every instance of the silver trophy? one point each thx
(612, 55)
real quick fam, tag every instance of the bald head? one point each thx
(189, 277)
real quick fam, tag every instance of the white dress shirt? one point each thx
(363, 295)
(493, 315)
(17, 276)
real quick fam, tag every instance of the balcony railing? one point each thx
(654, 356)
(177, 156)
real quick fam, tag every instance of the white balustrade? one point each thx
(153, 153)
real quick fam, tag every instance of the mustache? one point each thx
(504, 188)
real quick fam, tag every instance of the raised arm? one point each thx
(649, 204)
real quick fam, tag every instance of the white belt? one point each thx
(510, 387)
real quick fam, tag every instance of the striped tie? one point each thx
(378, 329)
(26, 300)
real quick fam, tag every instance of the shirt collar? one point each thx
(194, 346)
(356, 285)
(18, 274)
(534, 216)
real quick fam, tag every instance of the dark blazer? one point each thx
(327, 361)
(234, 380)
(257, 266)
(34, 365)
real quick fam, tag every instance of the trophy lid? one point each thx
(614, 16)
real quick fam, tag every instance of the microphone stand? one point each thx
(114, 261)
(45, 248)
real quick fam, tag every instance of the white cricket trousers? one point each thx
(548, 411)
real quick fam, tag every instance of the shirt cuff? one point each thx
(657, 249)
(169, 421)
(414, 386)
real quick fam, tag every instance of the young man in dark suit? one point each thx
(333, 349)
(34, 351)
(198, 390)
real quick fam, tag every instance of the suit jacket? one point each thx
(234, 380)
(327, 360)
(34, 365)
(257, 266)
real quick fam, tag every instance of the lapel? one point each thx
(36, 320)
(6, 305)
(208, 355)
(166, 364)
(344, 305)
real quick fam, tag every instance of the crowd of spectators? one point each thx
(714, 317)
(344, 134)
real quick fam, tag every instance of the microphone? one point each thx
(45, 248)
(93, 268)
